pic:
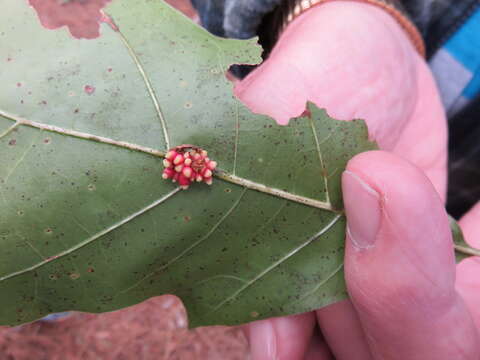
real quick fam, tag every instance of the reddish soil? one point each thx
(183, 5)
(155, 329)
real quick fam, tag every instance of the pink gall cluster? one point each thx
(187, 163)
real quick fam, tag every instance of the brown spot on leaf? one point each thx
(82, 17)
(12, 142)
(90, 270)
(306, 113)
(74, 276)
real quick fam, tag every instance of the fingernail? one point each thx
(263, 341)
(362, 206)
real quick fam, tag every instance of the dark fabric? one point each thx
(437, 20)
(237, 19)
(211, 13)
(244, 19)
(464, 162)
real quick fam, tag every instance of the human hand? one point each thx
(404, 305)
(354, 60)
(400, 275)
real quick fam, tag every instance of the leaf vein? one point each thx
(237, 136)
(321, 283)
(81, 135)
(149, 87)
(9, 129)
(277, 263)
(20, 160)
(320, 157)
(93, 237)
(195, 244)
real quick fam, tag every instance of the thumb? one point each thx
(399, 264)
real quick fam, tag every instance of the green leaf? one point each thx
(462, 249)
(86, 221)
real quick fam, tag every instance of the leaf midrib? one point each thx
(140, 148)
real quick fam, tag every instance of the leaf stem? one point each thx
(467, 250)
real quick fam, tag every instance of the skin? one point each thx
(408, 298)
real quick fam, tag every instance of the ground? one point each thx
(155, 329)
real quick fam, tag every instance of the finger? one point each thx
(468, 271)
(325, 56)
(318, 348)
(399, 263)
(470, 224)
(343, 332)
(283, 338)
(424, 138)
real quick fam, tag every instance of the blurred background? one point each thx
(156, 329)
